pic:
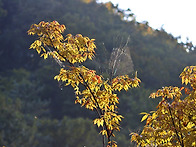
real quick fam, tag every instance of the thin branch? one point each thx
(181, 143)
(180, 131)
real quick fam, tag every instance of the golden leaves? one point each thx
(91, 90)
(73, 48)
(124, 82)
(98, 94)
(78, 48)
(99, 122)
(188, 76)
(37, 45)
(174, 121)
(167, 93)
(144, 117)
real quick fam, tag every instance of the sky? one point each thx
(177, 17)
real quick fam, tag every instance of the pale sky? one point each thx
(177, 17)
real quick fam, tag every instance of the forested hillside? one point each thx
(37, 111)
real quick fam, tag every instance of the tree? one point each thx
(91, 89)
(15, 128)
(69, 132)
(174, 121)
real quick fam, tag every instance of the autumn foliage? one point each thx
(92, 90)
(174, 121)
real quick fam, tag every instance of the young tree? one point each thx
(174, 121)
(91, 90)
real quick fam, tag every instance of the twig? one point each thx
(181, 143)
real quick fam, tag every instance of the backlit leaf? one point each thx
(144, 117)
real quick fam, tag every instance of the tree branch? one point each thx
(181, 143)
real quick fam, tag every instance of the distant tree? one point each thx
(3, 12)
(15, 130)
(174, 121)
(77, 132)
(91, 90)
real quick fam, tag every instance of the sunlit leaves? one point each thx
(167, 93)
(145, 117)
(99, 122)
(91, 90)
(124, 82)
(73, 48)
(189, 76)
(174, 121)
(37, 45)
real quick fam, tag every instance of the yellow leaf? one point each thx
(99, 122)
(190, 125)
(45, 56)
(103, 132)
(193, 143)
(143, 113)
(183, 80)
(38, 42)
(144, 117)
(133, 138)
(186, 81)
(154, 115)
(38, 49)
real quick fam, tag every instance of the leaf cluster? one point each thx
(174, 121)
(72, 48)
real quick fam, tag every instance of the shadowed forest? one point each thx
(37, 111)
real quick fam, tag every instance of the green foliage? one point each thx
(14, 130)
(67, 132)
(19, 84)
